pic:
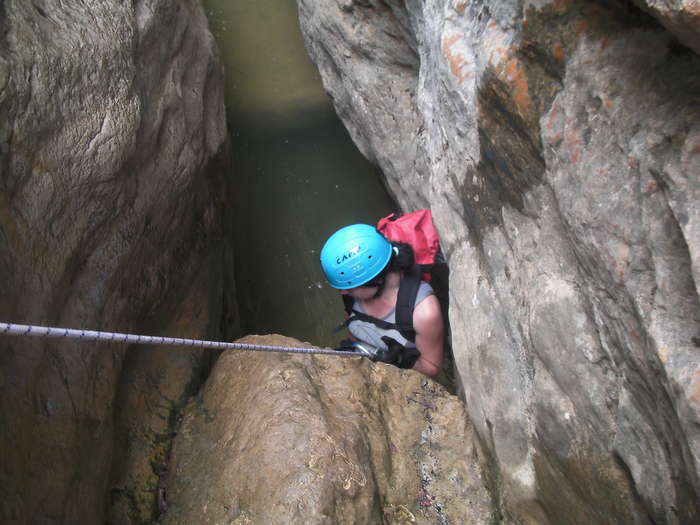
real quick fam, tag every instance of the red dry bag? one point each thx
(416, 229)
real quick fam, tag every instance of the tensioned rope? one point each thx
(113, 337)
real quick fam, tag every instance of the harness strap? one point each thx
(348, 302)
(405, 304)
(381, 323)
(406, 301)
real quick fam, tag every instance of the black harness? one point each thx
(405, 304)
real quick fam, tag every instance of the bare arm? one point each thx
(430, 337)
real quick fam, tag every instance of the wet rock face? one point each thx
(558, 145)
(110, 116)
(280, 439)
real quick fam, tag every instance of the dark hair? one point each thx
(402, 259)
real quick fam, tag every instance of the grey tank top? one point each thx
(372, 334)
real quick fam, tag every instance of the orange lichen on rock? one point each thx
(552, 130)
(519, 85)
(574, 143)
(460, 7)
(696, 148)
(455, 58)
(694, 397)
(558, 52)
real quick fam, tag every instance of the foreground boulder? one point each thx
(286, 438)
(558, 145)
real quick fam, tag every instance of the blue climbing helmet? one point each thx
(354, 255)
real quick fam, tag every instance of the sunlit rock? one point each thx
(558, 145)
(281, 439)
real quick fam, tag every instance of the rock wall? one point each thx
(558, 145)
(111, 128)
(284, 438)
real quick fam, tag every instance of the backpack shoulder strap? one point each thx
(348, 303)
(406, 301)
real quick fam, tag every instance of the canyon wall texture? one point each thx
(558, 145)
(111, 128)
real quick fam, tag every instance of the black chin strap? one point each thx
(380, 280)
(380, 288)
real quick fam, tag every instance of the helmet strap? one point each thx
(380, 280)
(380, 288)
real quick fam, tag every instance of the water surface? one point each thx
(296, 174)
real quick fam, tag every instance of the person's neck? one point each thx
(393, 279)
(391, 287)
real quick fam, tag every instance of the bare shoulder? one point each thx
(428, 324)
(427, 313)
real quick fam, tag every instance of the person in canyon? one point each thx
(374, 277)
